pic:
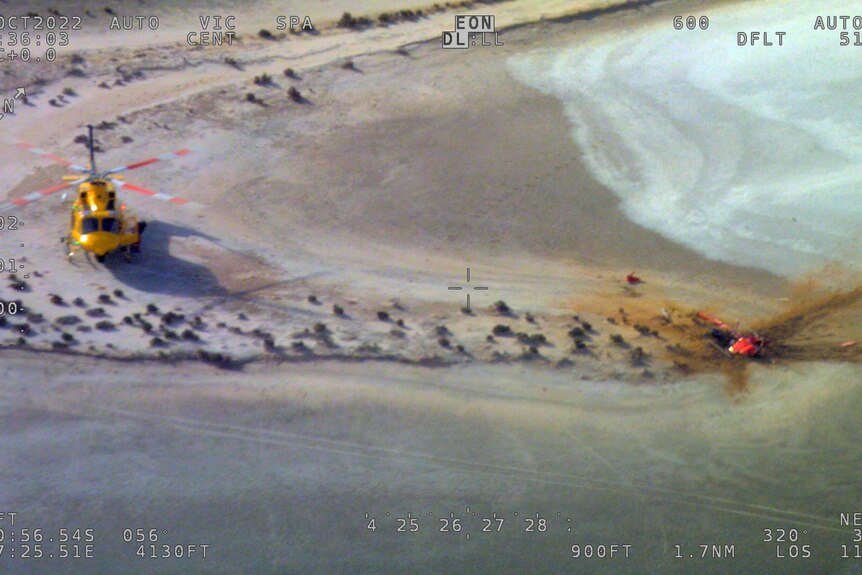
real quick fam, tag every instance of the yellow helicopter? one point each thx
(98, 225)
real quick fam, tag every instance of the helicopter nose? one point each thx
(100, 243)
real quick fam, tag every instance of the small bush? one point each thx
(266, 34)
(501, 329)
(96, 312)
(637, 356)
(338, 310)
(347, 20)
(577, 332)
(295, 95)
(383, 316)
(534, 339)
(502, 308)
(642, 329)
(291, 73)
(263, 80)
(171, 318)
(617, 339)
(189, 335)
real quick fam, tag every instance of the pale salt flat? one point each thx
(747, 154)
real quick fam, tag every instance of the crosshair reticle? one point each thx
(467, 288)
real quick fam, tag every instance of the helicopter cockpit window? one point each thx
(109, 225)
(89, 225)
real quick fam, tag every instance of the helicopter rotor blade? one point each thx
(147, 162)
(35, 196)
(151, 193)
(63, 161)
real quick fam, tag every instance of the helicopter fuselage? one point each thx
(99, 224)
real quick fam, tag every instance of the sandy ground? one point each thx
(277, 469)
(374, 195)
(304, 293)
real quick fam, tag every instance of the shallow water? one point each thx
(749, 155)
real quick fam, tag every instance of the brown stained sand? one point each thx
(811, 327)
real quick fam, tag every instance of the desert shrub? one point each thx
(502, 308)
(295, 95)
(501, 329)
